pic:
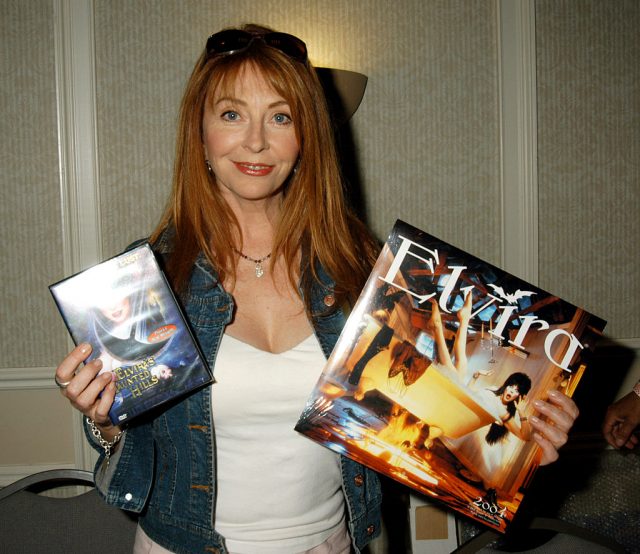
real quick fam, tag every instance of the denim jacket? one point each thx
(164, 468)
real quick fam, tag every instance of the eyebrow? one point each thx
(243, 103)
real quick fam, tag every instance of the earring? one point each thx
(209, 168)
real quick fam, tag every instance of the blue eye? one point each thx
(230, 115)
(282, 119)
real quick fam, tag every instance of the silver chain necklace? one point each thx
(258, 262)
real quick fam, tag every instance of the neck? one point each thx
(257, 222)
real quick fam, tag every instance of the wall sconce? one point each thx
(344, 91)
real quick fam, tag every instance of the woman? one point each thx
(491, 449)
(507, 397)
(258, 242)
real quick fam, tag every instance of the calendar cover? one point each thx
(433, 379)
(126, 310)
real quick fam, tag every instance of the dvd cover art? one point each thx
(126, 310)
(433, 378)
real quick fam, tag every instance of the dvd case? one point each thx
(434, 376)
(125, 308)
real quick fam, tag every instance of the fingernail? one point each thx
(554, 393)
(85, 347)
(538, 403)
(535, 419)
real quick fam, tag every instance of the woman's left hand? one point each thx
(552, 432)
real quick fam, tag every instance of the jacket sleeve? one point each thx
(125, 479)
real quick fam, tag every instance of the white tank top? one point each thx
(278, 491)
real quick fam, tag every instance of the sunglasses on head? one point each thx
(233, 41)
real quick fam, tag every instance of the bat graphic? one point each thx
(511, 298)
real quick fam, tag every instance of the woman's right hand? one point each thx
(89, 393)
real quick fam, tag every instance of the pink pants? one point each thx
(338, 543)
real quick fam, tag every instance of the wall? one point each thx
(447, 137)
(32, 336)
(589, 156)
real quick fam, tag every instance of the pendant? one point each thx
(259, 270)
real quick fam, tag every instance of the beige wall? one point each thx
(30, 207)
(589, 156)
(428, 139)
(32, 335)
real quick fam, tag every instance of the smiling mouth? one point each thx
(257, 170)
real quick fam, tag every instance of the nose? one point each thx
(255, 139)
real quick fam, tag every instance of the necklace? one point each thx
(258, 262)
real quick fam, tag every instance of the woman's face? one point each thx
(510, 393)
(117, 310)
(249, 139)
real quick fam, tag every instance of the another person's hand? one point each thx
(552, 432)
(621, 421)
(88, 392)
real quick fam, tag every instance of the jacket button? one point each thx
(358, 480)
(329, 300)
(371, 529)
(128, 497)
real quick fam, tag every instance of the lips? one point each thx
(255, 170)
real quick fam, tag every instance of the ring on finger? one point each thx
(61, 384)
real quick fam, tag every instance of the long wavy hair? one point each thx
(316, 222)
(497, 432)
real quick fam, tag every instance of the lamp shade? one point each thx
(344, 91)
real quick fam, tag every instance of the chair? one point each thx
(77, 525)
(544, 535)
